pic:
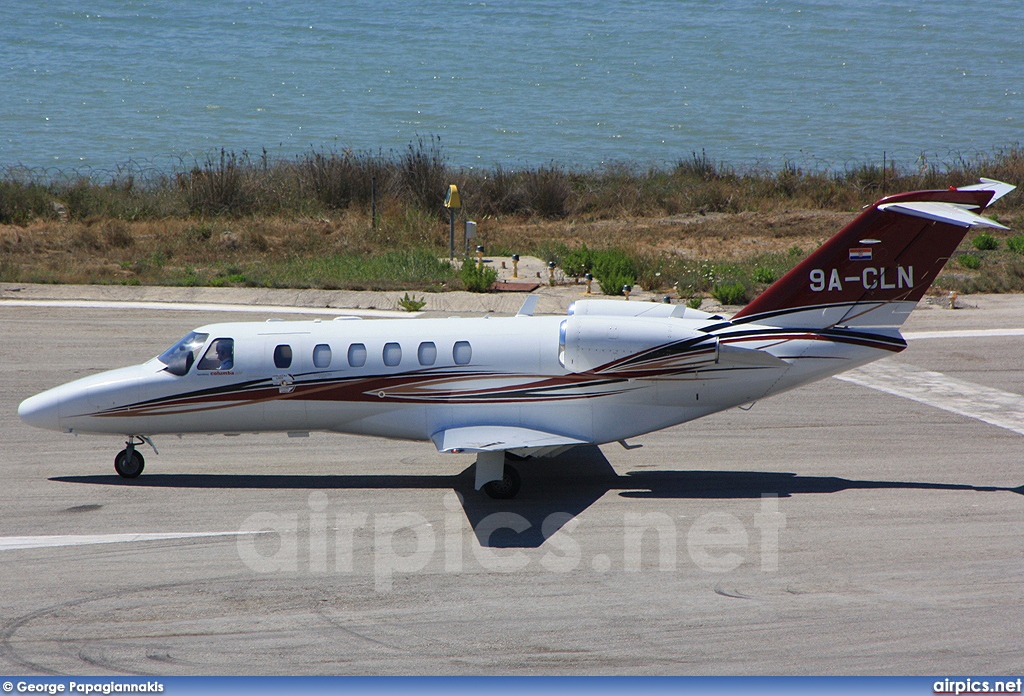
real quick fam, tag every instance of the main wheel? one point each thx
(507, 487)
(129, 467)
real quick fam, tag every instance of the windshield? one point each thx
(179, 357)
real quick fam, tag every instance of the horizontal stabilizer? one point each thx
(942, 212)
(494, 438)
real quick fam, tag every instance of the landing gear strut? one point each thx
(129, 462)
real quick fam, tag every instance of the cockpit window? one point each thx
(179, 357)
(219, 356)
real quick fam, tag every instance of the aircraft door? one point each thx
(286, 357)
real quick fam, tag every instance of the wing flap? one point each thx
(496, 438)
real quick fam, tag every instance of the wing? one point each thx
(496, 438)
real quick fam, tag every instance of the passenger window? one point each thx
(427, 353)
(322, 355)
(357, 355)
(392, 354)
(283, 357)
(462, 352)
(219, 356)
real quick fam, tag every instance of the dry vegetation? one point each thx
(307, 222)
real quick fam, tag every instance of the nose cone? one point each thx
(41, 410)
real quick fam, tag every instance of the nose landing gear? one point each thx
(129, 462)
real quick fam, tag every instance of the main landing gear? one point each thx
(498, 479)
(507, 487)
(129, 462)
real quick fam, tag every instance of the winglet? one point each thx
(998, 188)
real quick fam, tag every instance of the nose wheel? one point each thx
(129, 462)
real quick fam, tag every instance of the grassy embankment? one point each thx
(700, 227)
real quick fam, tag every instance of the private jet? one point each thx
(533, 386)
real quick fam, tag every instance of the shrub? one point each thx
(411, 304)
(117, 234)
(423, 173)
(764, 275)
(613, 269)
(577, 262)
(219, 187)
(610, 261)
(970, 261)
(477, 279)
(730, 293)
(328, 177)
(497, 193)
(695, 302)
(199, 232)
(22, 202)
(985, 242)
(614, 284)
(547, 192)
(1016, 244)
(698, 167)
(230, 276)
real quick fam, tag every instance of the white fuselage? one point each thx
(591, 378)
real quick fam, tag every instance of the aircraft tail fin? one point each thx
(872, 272)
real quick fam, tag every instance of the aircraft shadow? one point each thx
(554, 491)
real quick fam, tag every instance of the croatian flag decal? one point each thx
(860, 254)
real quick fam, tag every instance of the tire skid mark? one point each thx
(10, 651)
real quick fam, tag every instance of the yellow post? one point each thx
(452, 203)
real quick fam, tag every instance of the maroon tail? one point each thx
(889, 255)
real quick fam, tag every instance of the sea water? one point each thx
(96, 84)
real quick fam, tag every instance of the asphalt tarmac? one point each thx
(836, 529)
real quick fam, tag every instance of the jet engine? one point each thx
(633, 345)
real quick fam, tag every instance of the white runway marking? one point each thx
(993, 406)
(187, 307)
(42, 542)
(963, 333)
